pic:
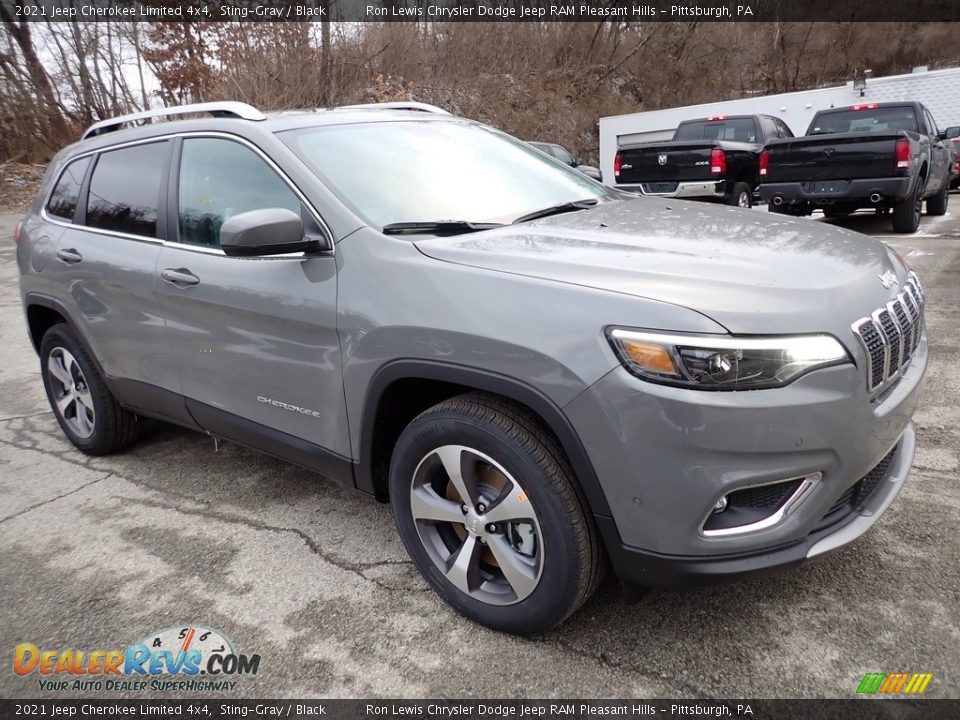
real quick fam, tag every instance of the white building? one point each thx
(939, 90)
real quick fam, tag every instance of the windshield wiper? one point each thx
(438, 227)
(563, 207)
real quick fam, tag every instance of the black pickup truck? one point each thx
(714, 158)
(871, 155)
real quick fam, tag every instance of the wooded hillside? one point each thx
(537, 81)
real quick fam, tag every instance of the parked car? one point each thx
(871, 155)
(537, 372)
(714, 158)
(955, 147)
(561, 154)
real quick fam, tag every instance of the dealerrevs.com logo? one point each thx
(187, 659)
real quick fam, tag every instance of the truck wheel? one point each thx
(740, 196)
(937, 205)
(87, 412)
(486, 506)
(906, 212)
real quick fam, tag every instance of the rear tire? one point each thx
(906, 212)
(509, 466)
(739, 196)
(87, 412)
(937, 204)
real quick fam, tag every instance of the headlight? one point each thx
(724, 362)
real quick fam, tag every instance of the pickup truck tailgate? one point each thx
(665, 163)
(847, 156)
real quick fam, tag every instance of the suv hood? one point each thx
(750, 271)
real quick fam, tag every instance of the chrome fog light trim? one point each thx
(779, 515)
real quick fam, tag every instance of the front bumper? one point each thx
(665, 455)
(847, 191)
(643, 568)
(713, 189)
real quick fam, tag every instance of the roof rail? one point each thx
(217, 109)
(401, 105)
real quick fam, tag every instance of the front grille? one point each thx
(857, 494)
(891, 334)
(764, 496)
(870, 481)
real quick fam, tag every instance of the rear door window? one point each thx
(785, 131)
(66, 193)
(125, 189)
(770, 128)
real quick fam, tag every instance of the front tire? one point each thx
(906, 212)
(87, 412)
(486, 506)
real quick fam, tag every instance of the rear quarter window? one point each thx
(66, 193)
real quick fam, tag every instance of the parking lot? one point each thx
(102, 552)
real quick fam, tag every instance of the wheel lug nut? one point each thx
(481, 508)
(464, 508)
(483, 541)
(491, 528)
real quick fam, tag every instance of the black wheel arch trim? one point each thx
(35, 298)
(487, 381)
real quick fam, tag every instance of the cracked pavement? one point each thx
(99, 552)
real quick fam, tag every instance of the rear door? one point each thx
(254, 339)
(939, 154)
(104, 266)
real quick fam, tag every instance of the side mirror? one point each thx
(574, 162)
(951, 132)
(270, 231)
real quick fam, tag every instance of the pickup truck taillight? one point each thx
(902, 154)
(718, 161)
(764, 162)
(17, 229)
(616, 166)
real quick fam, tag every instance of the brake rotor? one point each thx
(490, 483)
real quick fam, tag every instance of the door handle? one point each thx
(69, 256)
(181, 277)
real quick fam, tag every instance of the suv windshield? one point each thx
(861, 121)
(426, 172)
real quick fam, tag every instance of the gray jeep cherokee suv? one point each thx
(539, 374)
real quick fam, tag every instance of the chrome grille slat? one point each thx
(894, 339)
(892, 333)
(900, 314)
